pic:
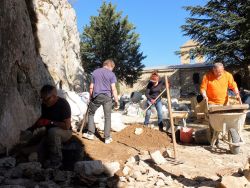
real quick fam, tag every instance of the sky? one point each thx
(157, 22)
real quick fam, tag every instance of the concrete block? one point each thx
(111, 168)
(157, 157)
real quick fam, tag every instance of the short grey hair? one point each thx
(218, 64)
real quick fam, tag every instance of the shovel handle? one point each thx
(155, 99)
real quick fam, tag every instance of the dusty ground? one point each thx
(192, 161)
(126, 144)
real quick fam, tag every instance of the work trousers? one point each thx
(52, 141)
(94, 104)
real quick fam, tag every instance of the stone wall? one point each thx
(181, 81)
(141, 84)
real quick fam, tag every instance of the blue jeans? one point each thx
(158, 106)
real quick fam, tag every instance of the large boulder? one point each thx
(60, 42)
(39, 44)
(22, 72)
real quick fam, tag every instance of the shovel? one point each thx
(155, 100)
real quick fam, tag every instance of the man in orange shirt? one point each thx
(215, 85)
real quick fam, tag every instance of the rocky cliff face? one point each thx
(36, 48)
(59, 40)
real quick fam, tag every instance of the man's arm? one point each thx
(233, 86)
(114, 92)
(203, 87)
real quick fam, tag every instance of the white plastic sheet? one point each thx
(78, 105)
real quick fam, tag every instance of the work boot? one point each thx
(160, 127)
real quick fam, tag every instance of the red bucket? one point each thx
(186, 135)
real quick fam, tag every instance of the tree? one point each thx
(222, 28)
(110, 36)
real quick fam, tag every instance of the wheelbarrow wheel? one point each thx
(234, 137)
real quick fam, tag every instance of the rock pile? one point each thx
(140, 171)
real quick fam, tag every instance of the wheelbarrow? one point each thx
(227, 123)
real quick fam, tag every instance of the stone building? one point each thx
(184, 79)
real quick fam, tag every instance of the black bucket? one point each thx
(202, 136)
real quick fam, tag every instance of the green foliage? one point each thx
(222, 28)
(110, 36)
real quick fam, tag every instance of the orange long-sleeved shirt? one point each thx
(217, 89)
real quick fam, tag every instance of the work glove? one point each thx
(43, 122)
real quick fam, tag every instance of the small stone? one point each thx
(131, 179)
(144, 152)
(30, 165)
(126, 170)
(143, 164)
(33, 157)
(122, 179)
(1, 179)
(168, 180)
(142, 178)
(111, 168)
(121, 185)
(14, 173)
(102, 184)
(167, 153)
(138, 131)
(152, 173)
(157, 157)
(160, 182)
(136, 174)
(247, 174)
(132, 160)
(89, 167)
(8, 162)
(144, 157)
(232, 182)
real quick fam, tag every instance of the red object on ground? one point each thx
(186, 135)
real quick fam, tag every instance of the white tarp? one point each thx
(78, 104)
(116, 120)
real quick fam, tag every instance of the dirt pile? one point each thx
(126, 143)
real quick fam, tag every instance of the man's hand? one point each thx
(116, 107)
(205, 98)
(238, 97)
(204, 95)
(152, 101)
